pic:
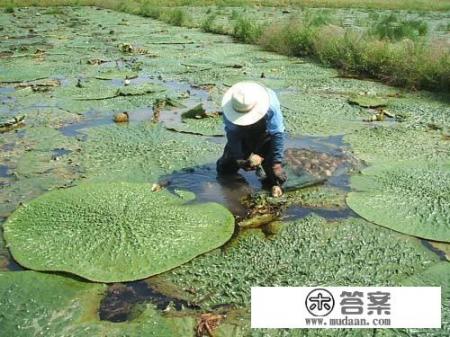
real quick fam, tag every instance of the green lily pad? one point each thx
(138, 90)
(37, 304)
(368, 101)
(378, 144)
(315, 115)
(410, 197)
(141, 152)
(209, 126)
(111, 74)
(318, 196)
(114, 232)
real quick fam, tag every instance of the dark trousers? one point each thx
(258, 144)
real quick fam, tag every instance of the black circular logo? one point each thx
(319, 302)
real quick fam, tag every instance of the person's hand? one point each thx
(279, 173)
(276, 191)
(245, 165)
(255, 160)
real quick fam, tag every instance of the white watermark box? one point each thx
(346, 307)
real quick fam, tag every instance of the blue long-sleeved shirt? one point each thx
(274, 127)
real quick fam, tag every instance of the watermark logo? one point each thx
(346, 307)
(319, 302)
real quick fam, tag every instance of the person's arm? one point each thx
(233, 140)
(275, 127)
(277, 145)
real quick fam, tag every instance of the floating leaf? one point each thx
(137, 90)
(114, 232)
(366, 101)
(309, 251)
(111, 74)
(410, 197)
(209, 126)
(142, 152)
(37, 304)
(381, 143)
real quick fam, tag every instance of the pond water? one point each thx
(4, 171)
(184, 68)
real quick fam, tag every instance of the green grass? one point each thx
(392, 28)
(247, 30)
(176, 17)
(405, 63)
(150, 11)
(209, 25)
(422, 5)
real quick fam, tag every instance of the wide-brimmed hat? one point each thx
(245, 103)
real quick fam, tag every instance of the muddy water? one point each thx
(121, 302)
(4, 171)
(188, 97)
(229, 191)
(297, 212)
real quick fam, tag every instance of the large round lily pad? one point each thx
(141, 152)
(37, 304)
(114, 232)
(411, 197)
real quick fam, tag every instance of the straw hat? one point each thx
(245, 103)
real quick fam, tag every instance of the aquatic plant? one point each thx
(367, 101)
(210, 126)
(306, 252)
(318, 115)
(437, 275)
(318, 196)
(381, 144)
(35, 304)
(141, 152)
(411, 197)
(114, 232)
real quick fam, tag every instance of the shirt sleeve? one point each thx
(275, 127)
(234, 141)
(275, 122)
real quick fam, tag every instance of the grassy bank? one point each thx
(406, 61)
(422, 5)
(392, 50)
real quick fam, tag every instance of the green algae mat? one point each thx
(410, 197)
(37, 304)
(114, 232)
(305, 252)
